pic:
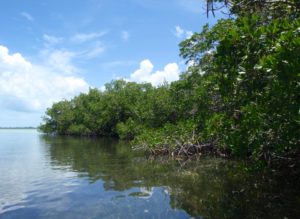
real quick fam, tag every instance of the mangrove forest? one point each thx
(239, 97)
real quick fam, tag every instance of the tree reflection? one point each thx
(210, 187)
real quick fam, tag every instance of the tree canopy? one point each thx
(241, 91)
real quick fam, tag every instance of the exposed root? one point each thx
(190, 150)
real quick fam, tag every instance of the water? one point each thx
(64, 177)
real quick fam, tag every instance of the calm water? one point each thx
(55, 177)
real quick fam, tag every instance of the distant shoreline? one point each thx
(18, 128)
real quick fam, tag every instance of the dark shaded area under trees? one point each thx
(240, 96)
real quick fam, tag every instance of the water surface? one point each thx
(64, 177)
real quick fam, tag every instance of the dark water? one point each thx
(55, 177)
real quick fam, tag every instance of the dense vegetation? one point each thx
(240, 95)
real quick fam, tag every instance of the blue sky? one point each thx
(55, 49)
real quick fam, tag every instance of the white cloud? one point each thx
(102, 88)
(84, 37)
(52, 40)
(25, 86)
(28, 16)
(181, 33)
(191, 63)
(145, 73)
(125, 35)
(188, 34)
(59, 61)
(94, 52)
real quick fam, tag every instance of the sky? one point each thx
(55, 49)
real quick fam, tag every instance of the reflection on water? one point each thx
(49, 177)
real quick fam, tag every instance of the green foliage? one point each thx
(129, 129)
(122, 110)
(169, 136)
(256, 72)
(268, 9)
(78, 130)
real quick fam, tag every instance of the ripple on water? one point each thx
(6, 207)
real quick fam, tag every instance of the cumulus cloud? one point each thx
(59, 61)
(28, 87)
(84, 37)
(145, 73)
(27, 16)
(181, 33)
